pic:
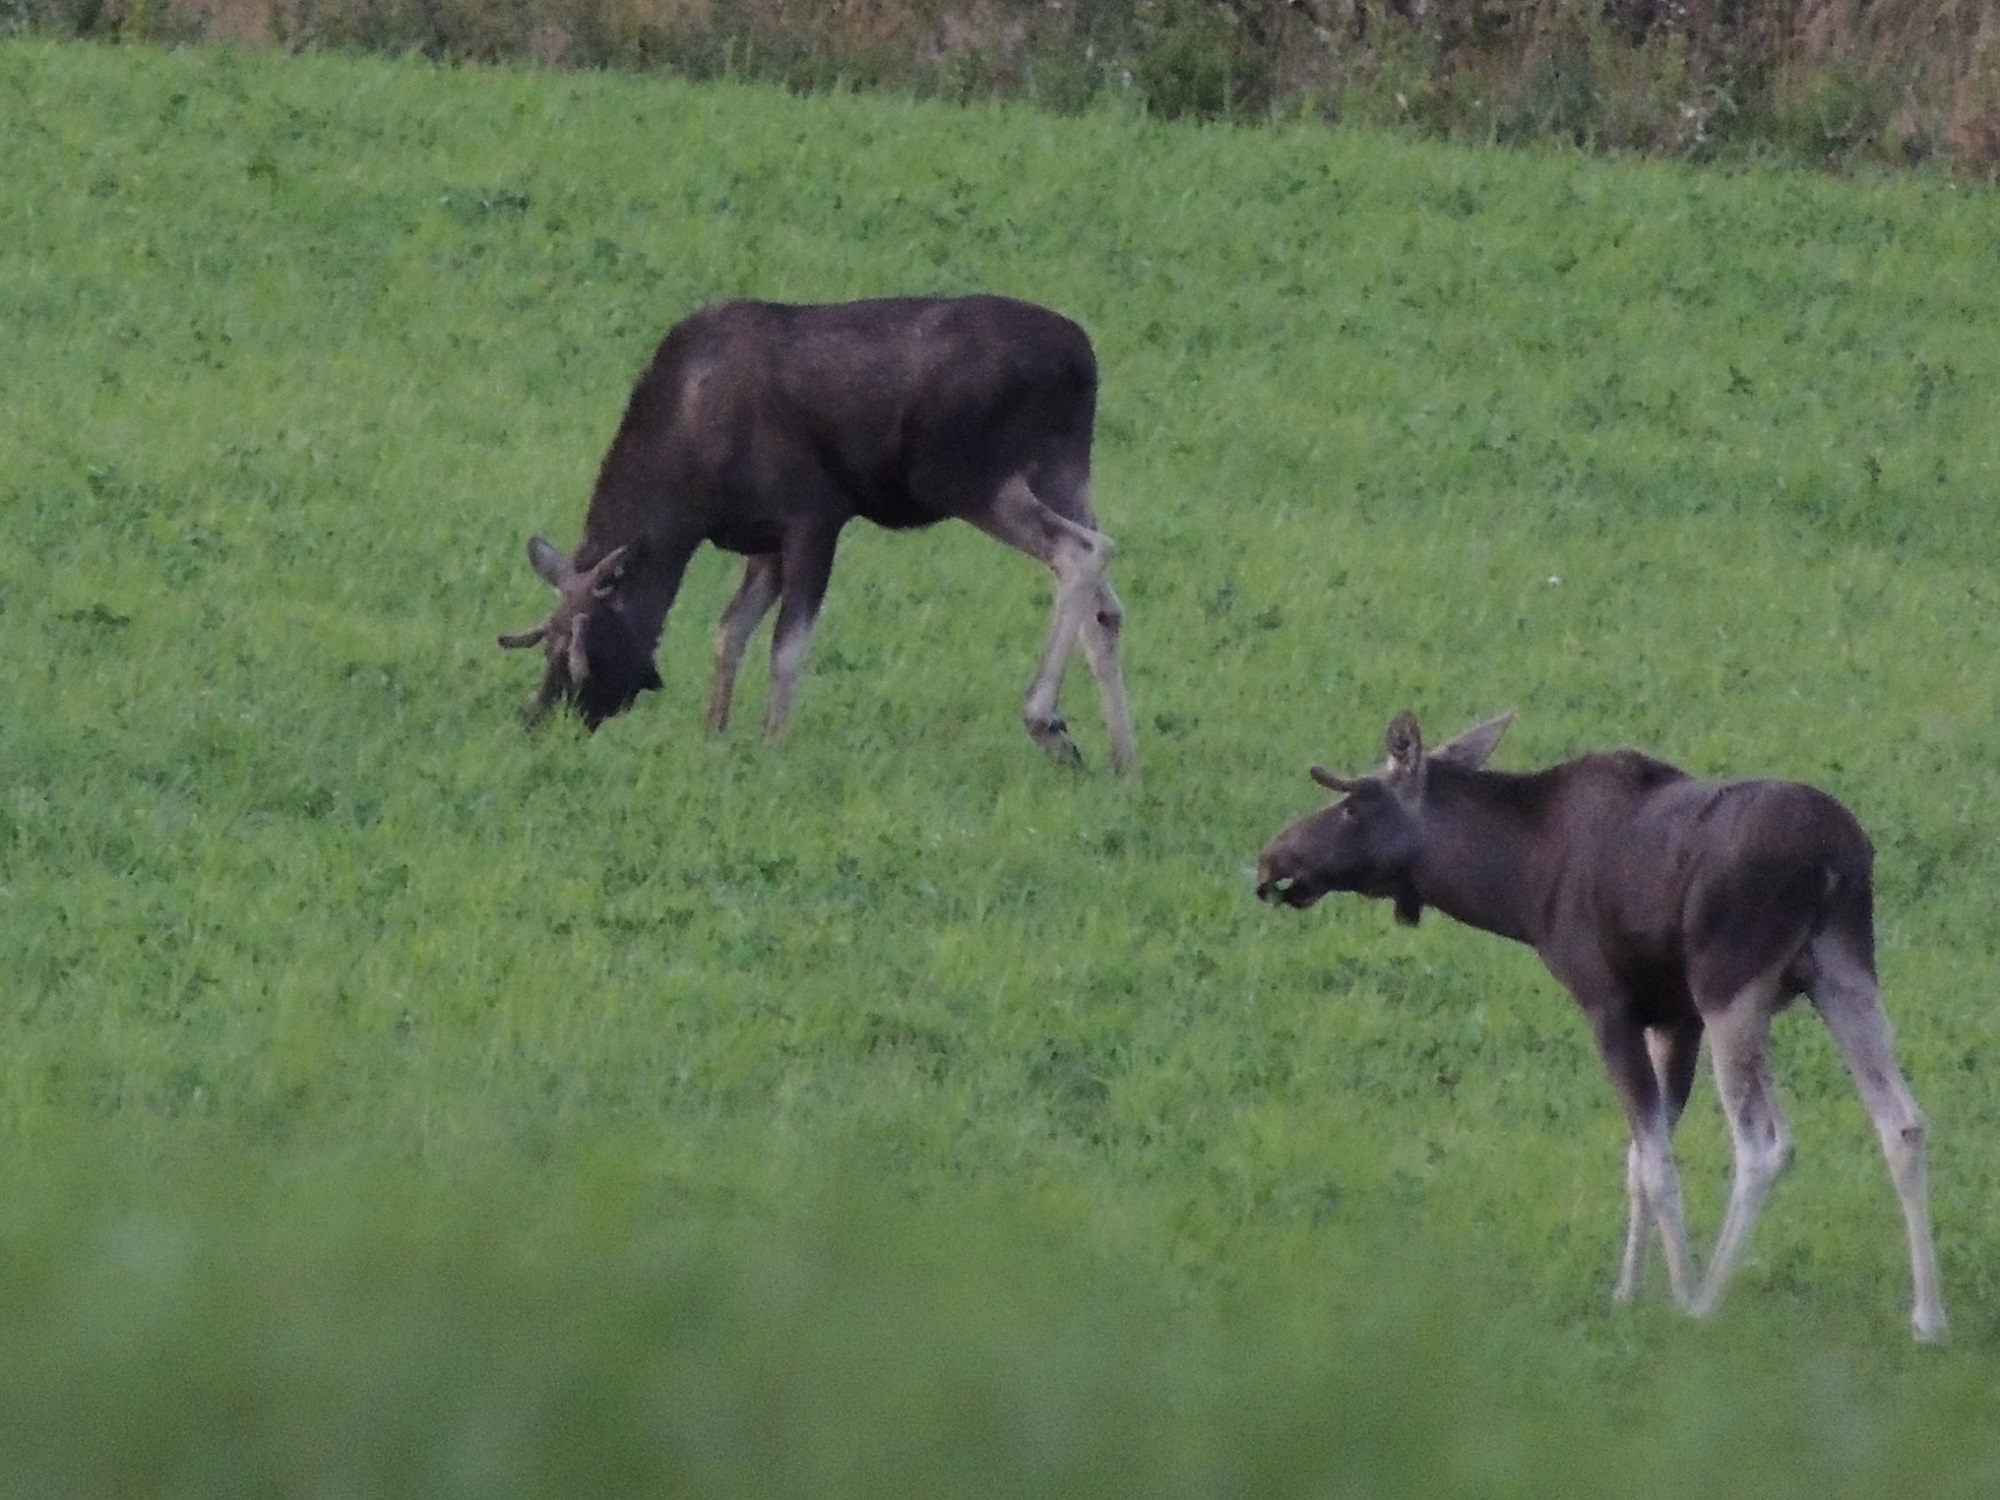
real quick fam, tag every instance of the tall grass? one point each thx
(395, 1101)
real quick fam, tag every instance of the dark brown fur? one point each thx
(1670, 908)
(765, 428)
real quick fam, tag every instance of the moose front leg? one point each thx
(1674, 1051)
(1650, 1171)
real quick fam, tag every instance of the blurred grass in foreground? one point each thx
(361, 1334)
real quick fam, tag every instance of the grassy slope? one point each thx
(464, 1112)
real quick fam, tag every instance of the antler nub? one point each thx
(573, 589)
(604, 573)
(1335, 783)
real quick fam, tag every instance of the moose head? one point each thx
(1369, 841)
(595, 660)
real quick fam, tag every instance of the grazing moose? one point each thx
(1670, 908)
(766, 428)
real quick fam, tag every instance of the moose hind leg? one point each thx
(1632, 1263)
(1849, 1000)
(1066, 491)
(806, 568)
(740, 617)
(1660, 1182)
(1740, 1044)
(1077, 556)
(1102, 628)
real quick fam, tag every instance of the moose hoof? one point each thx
(1053, 736)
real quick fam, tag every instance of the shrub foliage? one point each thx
(1832, 82)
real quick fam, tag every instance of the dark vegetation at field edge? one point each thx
(1823, 82)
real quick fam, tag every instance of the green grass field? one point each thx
(393, 1103)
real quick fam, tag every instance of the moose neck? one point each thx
(624, 512)
(1481, 858)
(647, 594)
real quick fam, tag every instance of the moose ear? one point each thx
(1405, 742)
(548, 562)
(1471, 748)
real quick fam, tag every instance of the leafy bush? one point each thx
(1831, 82)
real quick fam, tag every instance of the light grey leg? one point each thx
(1101, 630)
(1673, 1052)
(1660, 1183)
(1632, 1264)
(1077, 556)
(1849, 999)
(1650, 1166)
(806, 568)
(740, 617)
(1740, 1045)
